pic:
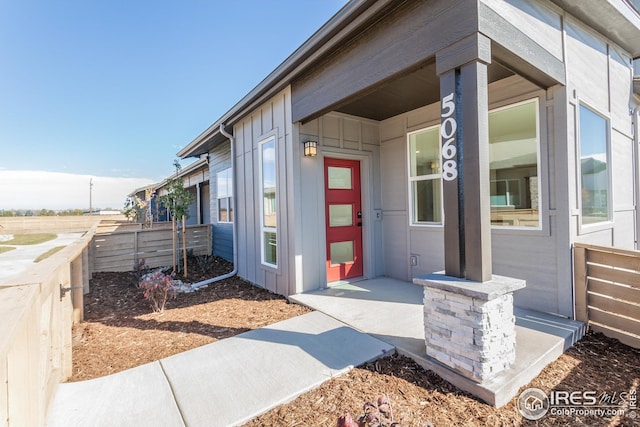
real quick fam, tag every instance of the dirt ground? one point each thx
(121, 332)
(419, 398)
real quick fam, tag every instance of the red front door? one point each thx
(343, 213)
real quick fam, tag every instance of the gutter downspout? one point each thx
(636, 155)
(196, 286)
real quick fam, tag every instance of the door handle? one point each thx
(359, 224)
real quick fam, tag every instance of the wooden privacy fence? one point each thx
(607, 291)
(36, 314)
(114, 226)
(119, 251)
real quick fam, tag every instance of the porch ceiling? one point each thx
(408, 92)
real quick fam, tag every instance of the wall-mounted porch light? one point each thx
(310, 148)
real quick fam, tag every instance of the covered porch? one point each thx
(392, 311)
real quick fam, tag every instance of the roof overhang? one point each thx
(619, 20)
(200, 164)
(327, 38)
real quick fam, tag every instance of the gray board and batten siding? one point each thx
(271, 119)
(600, 77)
(362, 100)
(512, 249)
(340, 136)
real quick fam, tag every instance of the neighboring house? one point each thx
(158, 212)
(195, 177)
(552, 80)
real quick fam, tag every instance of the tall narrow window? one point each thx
(513, 157)
(594, 167)
(425, 177)
(269, 203)
(224, 185)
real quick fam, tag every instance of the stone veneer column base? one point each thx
(470, 326)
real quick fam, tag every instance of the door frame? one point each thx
(366, 200)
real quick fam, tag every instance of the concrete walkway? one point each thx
(21, 258)
(225, 383)
(234, 380)
(392, 311)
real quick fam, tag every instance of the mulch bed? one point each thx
(419, 398)
(121, 332)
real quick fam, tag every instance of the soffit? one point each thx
(416, 89)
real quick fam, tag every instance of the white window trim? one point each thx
(412, 179)
(608, 224)
(263, 228)
(229, 197)
(536, 100)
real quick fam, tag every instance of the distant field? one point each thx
(29, 239)
(53, 224)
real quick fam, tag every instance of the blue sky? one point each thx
(114, 88)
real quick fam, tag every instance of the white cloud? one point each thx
(54, 190)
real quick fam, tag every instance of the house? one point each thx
(549, 88)
(195, 177)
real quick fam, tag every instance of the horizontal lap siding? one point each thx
(223, 241)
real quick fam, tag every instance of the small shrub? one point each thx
(205, 262)
(158, 288)
(379, 414)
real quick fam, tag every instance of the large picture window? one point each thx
(268, 206)
(514, 169)
(594, 167)
(513, 157)
(224, 188)
(425, 176)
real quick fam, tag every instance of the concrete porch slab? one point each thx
(392, 311)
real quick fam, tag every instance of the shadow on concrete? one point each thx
(337, 348)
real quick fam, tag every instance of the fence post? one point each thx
(136, 236)
(86, 269)
(580, 284)
(210, 239)
(77, 289)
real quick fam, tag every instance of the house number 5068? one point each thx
(448, 132)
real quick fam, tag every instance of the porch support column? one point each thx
(468, 312)
(462, 68)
